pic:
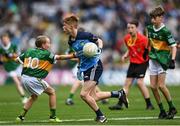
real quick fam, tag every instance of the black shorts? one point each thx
(94, 73)
(137, 70)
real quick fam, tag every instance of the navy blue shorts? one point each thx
(94, 73)
(137, 70)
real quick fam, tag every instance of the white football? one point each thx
(90, 49)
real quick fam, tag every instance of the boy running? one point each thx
(91, 67)
(8, 53)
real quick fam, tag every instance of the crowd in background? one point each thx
(26, 19)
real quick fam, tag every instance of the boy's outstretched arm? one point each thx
(65, 57)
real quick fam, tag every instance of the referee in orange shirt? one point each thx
(138, 56)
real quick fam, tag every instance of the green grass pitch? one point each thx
(80, 113)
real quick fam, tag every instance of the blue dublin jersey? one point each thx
(77, 44)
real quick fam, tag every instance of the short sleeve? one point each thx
(21, 58)
(125, 38)
(91, 37)
(51, 58)
(170, 39)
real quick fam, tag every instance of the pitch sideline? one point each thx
(81, 120)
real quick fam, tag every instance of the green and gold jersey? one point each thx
(36, 62)
(8, 62)
(160, 40)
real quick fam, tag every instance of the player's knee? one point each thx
(52, 91)
(140, 82)
(96, 97)
(162, 86)
(83, 95)
(153, 87)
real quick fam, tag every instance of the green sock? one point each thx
(170, 104)
(71, 95)
(161, 107)
(23, 113)
(52, 113)
(22, 96)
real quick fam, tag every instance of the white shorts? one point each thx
(74, 71)
(16, 72)
(34, 85)
(155, 68)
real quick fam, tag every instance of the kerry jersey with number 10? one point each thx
(37, 62)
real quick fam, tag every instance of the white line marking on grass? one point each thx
(9, 103)
(83, 120)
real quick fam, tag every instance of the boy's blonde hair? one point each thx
(71, 19)
(158, 11)
(4, 35)
(41, 39)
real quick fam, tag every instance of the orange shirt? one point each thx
(136, 47)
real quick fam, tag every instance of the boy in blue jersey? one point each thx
(90, 67)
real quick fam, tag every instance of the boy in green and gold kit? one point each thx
(8, 53)
(37, 63)
(162, 57)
